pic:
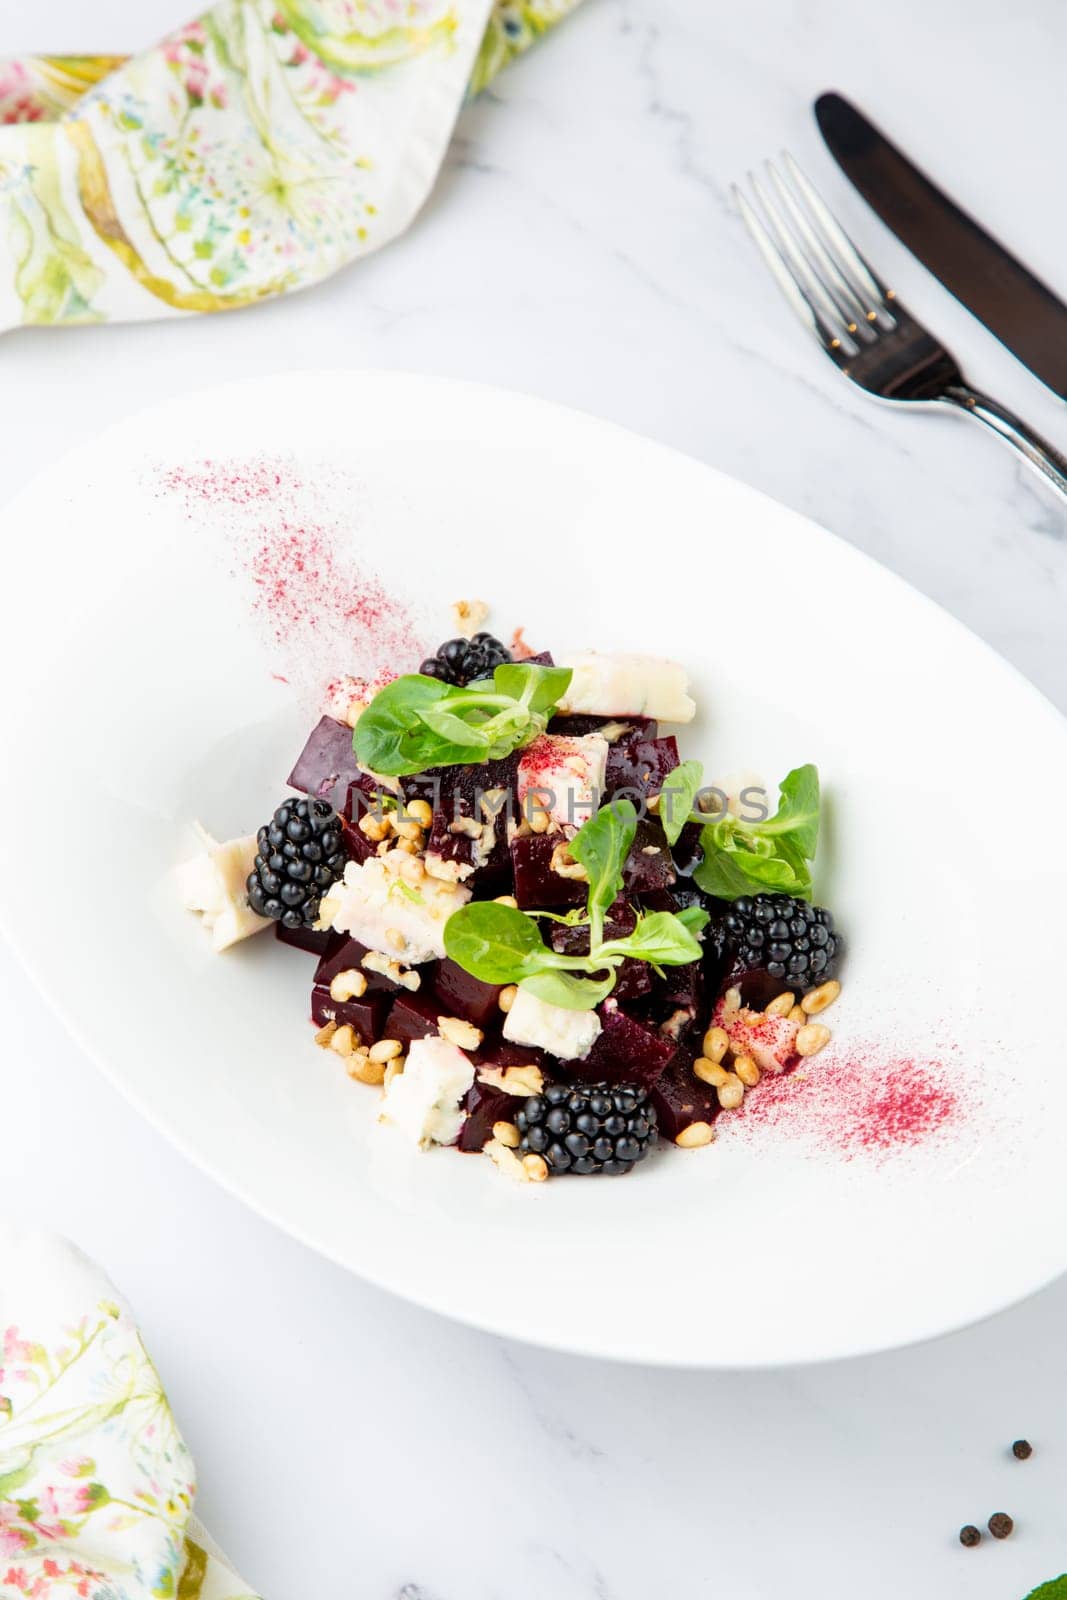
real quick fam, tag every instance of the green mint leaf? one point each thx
(680, 789)
(379, 738)
(743, 857)
(540, 688)
(602, 845)
(447, 725)
(661, 938)
(695, 918)
(495, 943)
(1054, 1589)
(417, 722)
(798, 810)
(564, 989)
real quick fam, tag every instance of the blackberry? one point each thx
(589, 1127)
(461, 661)
(301, 855)
(791, 939)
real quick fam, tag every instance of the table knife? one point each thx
(1018, 308)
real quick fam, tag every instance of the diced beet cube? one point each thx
(640, 765)
(485, 1106)
(680, 988)
(681, 1098)
(582, 723)
(365, 1015)
(502, 1053)
(309, 939)
(535, 882)
(460, 995)
(327, 764)
(456, 795)
(542, 658)
(686, 848)
(649, 866)
(344, 955)
(633, 979)
(626, 1051)
(413, 1015)
(357, 844)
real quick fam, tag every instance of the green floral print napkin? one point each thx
(96, 1484)
(254, 151)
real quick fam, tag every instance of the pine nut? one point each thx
(506, 900)
(349, 985)
(407, 847)
(325, 1034)
(747, 1070)
(364, 1070)
(395, 938)
(536, 1167)
(410, 866)
(697, 1134)
(461, 1033)
(811, 1039)
(710, 1072)
(421, 812)
(506, 998)
(731, 1000)
(343, 1040)
(818, 999)
(716, 1044)
(508, 1134)
(393, 1069)
(410, 980)
(540, 821)
(731, 1093)
(797, 1015)
(782, 1005)
(373, 827)
(386, 1050)
(407, 830)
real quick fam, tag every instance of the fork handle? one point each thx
(1042, 456)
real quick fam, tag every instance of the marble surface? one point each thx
(581, 245)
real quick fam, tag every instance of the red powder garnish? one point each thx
(867, 1101)
(320, 611)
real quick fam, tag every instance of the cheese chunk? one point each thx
(213, 883)
(375, 904)
(563, 776)
(562, 1032)
(626, 686)
(424, 1101)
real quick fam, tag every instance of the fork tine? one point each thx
(784, 278)
(866, 283)
(853, 309)
(833, 326)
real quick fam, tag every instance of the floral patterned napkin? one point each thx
(254, 151)
(96, 1484)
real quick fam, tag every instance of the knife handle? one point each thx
(1042, 456)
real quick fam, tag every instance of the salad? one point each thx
(537, 930)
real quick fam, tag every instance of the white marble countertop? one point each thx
(580, 245)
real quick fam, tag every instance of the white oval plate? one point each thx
(911, 1183)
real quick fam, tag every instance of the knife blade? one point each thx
(1018, 308)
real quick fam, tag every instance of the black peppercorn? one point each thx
(1000, 1525)
(1022, 1449)
(970, 1535)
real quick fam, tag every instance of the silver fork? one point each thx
(862, 326)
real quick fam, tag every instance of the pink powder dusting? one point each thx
(867, 1102)
(320, 612)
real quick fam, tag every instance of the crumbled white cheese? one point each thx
(562, 1032)
(423, 1101)
(626, 686)
(213, 883)
(374, 904)
(563, 776)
